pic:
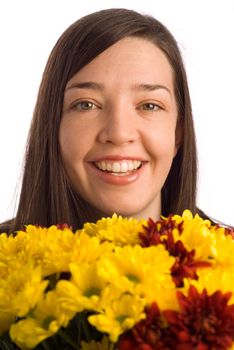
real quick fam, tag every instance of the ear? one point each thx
(179, 134)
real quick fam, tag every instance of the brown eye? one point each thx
(150, 106)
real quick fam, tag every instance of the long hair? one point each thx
(46, 194)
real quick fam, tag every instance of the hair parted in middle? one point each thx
(46, 194)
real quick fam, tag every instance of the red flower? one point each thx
(154, 231)
(148, 334)
(185, 265)
(205, 321)
(63, 227)
(229, 231)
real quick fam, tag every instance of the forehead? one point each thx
(130, 60)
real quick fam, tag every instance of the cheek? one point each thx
(71, 151)
(73, 144)
(161, 143)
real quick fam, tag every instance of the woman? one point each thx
(112, 129)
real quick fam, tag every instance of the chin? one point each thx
(125, 212)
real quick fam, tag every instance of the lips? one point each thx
(117, 170)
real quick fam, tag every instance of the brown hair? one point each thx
(46, 195)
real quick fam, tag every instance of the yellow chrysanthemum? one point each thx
(121, 315)
(104, 344)
(61, 247)
(13, 249)
(196, 234)
(116, 229)
(51, 247)
(222, 248)
(84, 291)
(28, 333)
(140, 271)
(21, 289)
(213, 280)
(46, 320)
(49, 308)
(88, 249)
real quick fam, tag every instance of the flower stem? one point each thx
(46, 346)
(86, 329)
(68, 339)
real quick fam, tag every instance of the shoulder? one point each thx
(214, 221)
(7, 226)
(204, 216)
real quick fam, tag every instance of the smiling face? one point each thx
(118, 130)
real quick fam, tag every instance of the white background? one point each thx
(204, 30)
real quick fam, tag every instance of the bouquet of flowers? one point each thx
(118, 284)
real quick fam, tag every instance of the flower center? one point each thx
(92, 291)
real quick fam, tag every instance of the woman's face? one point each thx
(118, 130)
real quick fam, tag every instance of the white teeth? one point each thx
(135, 164)
(108, 167)
(130, 166)
(124, 167)
(103, 166)
(118, 167)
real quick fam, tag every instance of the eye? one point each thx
(83, 105)
(149, 106)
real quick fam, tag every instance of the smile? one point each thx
(118, 168)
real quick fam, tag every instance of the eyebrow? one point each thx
(150, 87)
(86, 85)
(100, 87)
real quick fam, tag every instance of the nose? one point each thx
(119, 126)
